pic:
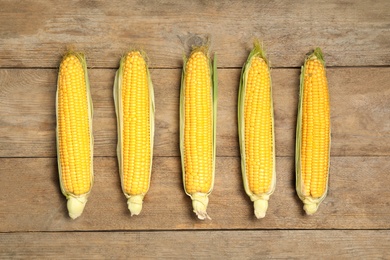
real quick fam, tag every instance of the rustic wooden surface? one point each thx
(280, 244)
(353, 221)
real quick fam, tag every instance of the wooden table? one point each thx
(354, 220)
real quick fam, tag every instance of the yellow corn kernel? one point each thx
(198, 135)
(256, 133)
(314, 133)
(134, 101)
(74, 132)
(198, 129)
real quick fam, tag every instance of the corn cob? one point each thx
(313, 134)
(198, 102)
(74, 132)
(134, 105)
(256, 131)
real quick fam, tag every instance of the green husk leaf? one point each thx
(199, 200)
(260, 200)
(181, 115)
(76, 203)
(213, 68)
(134, 202)
(310, 204)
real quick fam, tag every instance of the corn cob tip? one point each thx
(260, 206)
(310, 206)
(258, 50)
(318, 53)
(134, 204)
(199, 204)
(76, 206)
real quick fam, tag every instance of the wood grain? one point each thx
(36, 33)
(198, 245)
(353, 221)
(359, 105)
(31, 198)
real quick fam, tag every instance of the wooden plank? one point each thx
(36, 33)
(278, 244)
(359, 100)
(31, 198)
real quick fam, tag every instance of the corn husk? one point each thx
(260, 200)
(310, 204)
(134, 202)
(199, 200)
(76, 203)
